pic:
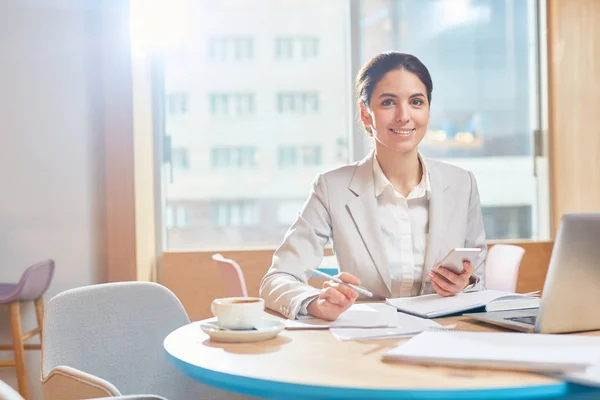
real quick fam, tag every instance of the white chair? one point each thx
(502, 267)
(107, 340)
(8, 393)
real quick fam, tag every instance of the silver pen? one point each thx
(359, 289)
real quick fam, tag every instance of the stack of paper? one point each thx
(514, 351)
(589, 377)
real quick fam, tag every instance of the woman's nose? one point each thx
(402, 115)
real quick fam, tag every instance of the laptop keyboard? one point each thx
(529, 319)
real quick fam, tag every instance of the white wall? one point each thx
(51, 150)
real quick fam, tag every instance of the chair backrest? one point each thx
(502, 267)
(33, 283)
(232, 276)
(116, 332)
(8, 393)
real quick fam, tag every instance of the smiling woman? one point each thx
(391, 216)
(394, 95)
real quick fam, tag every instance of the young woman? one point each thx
(392, 216)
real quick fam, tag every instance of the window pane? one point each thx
(264, 103)
(260, 130)
(482, 58)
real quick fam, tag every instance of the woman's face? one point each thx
(398, 113)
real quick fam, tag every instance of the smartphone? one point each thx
(454, 259)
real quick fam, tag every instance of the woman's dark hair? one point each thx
(372, 72)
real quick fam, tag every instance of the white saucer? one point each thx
(268, 329)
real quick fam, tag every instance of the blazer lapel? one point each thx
(440, 209)
(364, 211)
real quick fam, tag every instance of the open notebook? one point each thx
(434, 306)
(500, 350)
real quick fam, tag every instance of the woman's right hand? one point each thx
(334, 298)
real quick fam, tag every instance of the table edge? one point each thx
(259, 387)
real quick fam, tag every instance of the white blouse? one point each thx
(405, 228)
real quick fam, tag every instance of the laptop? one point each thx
(571, 297)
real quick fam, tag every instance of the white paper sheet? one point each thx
(363, 315)
(407, 325)
(517, 351)
(589, 377)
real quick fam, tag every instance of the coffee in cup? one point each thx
(238, 312)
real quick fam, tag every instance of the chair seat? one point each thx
(8, 293)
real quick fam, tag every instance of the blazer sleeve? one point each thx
(476, 237)
(285, 286)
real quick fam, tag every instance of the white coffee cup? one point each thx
(238, 312)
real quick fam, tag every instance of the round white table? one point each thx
(313, 364)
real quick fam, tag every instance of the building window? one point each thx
(177, 103)
(299, 155)
(311, 155)
(243, 48)
(296, 48)
(180, 158)
(226, 157)
(177, 216)
(288, 156)
(341, 153)
(298, 103)
(230, 48)
(284, 48)
(234, 213)
(310, 47)
(231, 104)
(507, 222)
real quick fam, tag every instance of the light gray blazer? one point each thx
(342, 207)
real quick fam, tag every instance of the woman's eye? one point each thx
(388, 102)
(416, 102)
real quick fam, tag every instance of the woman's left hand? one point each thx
(447, 283)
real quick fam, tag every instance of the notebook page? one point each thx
(363, 315)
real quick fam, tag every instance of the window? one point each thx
(284, 48)
(231, 104)
(180, 159)
(311, 155)
(225, 157)
(483, 59)
(288, 156)
(507, 222)
(341, 148)
(298, 103)
(230, 48)
(299, 155)
(310, 47)
(177, 103)
(266, 127)
(289, 48)
(176, 216)
(234, 214)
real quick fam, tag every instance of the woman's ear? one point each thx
(365, 116)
